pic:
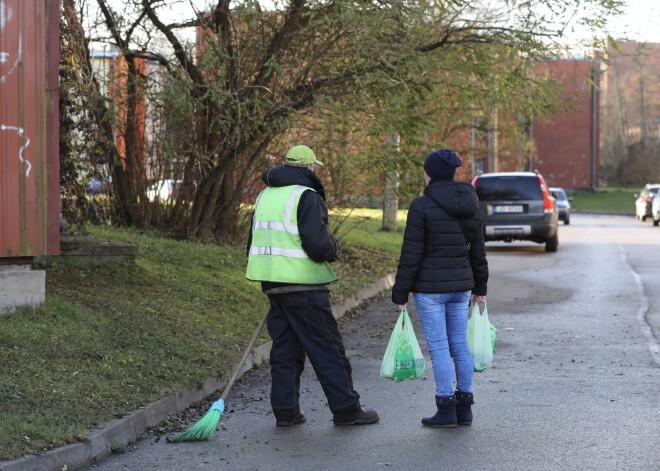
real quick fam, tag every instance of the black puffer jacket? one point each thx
(434, 256)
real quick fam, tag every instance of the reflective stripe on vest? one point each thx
(274, 226)
(276, 253)
(295, 253)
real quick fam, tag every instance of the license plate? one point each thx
(508, 230)
(509, 208)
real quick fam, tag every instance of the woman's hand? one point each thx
(477, 299)
(401, 306)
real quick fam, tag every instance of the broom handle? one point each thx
(247, 352)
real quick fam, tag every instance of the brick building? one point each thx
(564, 146)
(112, 74)
(567, 143)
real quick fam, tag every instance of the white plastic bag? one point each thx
(481, 336)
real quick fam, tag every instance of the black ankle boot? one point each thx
(289, 417)
(363, 417)
(464, 408)
(299, 419)
(446, 415)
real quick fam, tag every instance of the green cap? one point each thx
(301, 155)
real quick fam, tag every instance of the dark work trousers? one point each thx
(302, 323)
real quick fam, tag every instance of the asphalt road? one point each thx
(575, 385)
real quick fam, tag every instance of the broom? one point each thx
(204, 428)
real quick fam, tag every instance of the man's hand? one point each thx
(336, 250)
(401, 306)
(477, 299)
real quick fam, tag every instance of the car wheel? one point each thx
(656, 222)
(643, 218)
(551, 243)
(567, 221)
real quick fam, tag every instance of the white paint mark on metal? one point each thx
(25, 143)
(9, 57)
(5, 14)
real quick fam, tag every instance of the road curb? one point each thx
(118, 433)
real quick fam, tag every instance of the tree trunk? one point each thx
(132, 132)
(391, 199)
(493, 140)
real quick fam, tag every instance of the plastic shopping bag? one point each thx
(403, 358)
(481, 337)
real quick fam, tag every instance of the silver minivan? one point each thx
(517, 206)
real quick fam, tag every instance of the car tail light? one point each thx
(548, 204)
(474, 181)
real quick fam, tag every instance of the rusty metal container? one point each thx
(29, 123)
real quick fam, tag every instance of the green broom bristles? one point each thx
(205, 427)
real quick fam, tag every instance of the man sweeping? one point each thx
(289, 250)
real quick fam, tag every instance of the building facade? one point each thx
(567, 152)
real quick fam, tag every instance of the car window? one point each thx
(559, 195)
(654, 191)
(511, 188)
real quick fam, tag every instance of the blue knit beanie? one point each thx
(441, 164)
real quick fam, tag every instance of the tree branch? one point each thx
(281, 40)
(111, 24)
(187, 24)
(179, 52)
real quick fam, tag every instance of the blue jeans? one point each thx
(444, 319)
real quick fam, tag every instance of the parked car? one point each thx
(518, 206)
(164, 190)
(563, 203)
(644, 200)
(655, 211)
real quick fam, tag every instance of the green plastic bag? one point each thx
(481, 336)
(403, 358)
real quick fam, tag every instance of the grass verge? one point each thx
(112, 338)
(619, 200)
(362, 229)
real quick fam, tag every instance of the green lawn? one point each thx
(363, 230)
(112, 338)
(607, 199)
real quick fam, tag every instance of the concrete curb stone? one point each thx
(120, 432)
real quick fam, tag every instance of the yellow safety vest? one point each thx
(276, 253)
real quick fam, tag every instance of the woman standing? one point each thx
(443, 263)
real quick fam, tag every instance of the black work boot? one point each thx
(289, 417)
(464, 408)
(363, 417)
(446, 415)
(299, 419)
